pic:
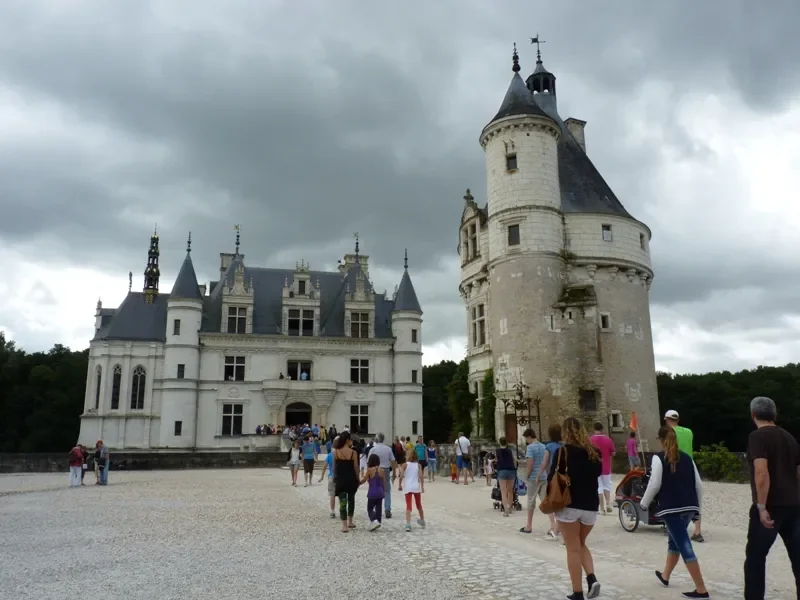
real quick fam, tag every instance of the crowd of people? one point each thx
(81, 460)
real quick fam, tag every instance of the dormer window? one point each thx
(237, 319)
(301, 322)
(359, 325)
(473, 240)
(301, 287)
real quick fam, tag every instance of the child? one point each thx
(362, 465)
(294, 461)
(331, 485)
(453, 471)
(488, 468)
(414, 487)
(376, 477)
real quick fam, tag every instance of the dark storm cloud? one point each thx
(305, 125)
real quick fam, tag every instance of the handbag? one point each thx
(558, 496)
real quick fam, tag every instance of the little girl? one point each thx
(294, 461)
(414, 487)
(376, 478)
(453, 471)
(488, 468)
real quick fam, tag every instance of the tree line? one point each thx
(42, 395)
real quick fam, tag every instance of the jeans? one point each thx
(374, 509)
(679, 541)
(347, 505)
(387, 500)
(75, 476)
(759, 542)
(104, 472)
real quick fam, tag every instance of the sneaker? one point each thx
(551, 536)
(593, 585)
(305, 485)
(408, 527)
(421, 522)
(699, 539)
(388, 514)
(575, 596)
(608, 510)
(661, 580)
(695, 594)
(374, 525)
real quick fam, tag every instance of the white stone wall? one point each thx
(539, 231)
(585, 238)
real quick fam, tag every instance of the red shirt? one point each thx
(605, 446)
(76, 457)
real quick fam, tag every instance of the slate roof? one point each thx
(186, 286)
(518, 101)
(406, 298)
(136, 320)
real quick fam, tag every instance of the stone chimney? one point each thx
(576, 127)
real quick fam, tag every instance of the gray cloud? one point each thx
(307, 125)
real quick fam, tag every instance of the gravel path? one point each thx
(245, 533)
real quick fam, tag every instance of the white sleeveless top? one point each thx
(411, 478)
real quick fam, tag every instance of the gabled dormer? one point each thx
(300, 303)
(237, 301)
(473, 220)
(359, 305)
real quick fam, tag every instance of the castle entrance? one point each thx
(298, 413)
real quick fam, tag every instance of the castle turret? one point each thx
(407, 331)
(181, 357)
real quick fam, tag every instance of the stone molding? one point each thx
(516, 123)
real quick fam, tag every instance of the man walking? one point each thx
(463, 449)
(537, 485)
(605, 446)
(685, 439)
(774, 459)
(389, 467)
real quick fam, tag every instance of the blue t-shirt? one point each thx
(308, 451)
(431, 453)
(535, 451)
(328, 446)
(552, 448)
(420, 449)
(329, 462)
(318, 447)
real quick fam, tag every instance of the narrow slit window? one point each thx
(642, 241)
(511, 162)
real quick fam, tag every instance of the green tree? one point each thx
(488, 403)
(461, 400)
(436, 413)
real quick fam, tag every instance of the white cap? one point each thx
(671, 414)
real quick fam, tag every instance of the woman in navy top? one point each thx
(506, 475)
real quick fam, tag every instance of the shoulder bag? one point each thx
(558, 496)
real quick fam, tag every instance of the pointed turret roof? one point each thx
(518, 99)
(406, 298)
(186, 286)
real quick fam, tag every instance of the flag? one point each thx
(634, 424)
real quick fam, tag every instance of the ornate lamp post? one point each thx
(523, 404)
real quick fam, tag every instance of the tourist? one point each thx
(104, 457)
(388, 465)
(579, 460)
(674, 477)
(375, 478)
(413, 483)
(605, 446)
(433, 460)
(422, 455)
(453, 470)
(85, 464)
(345, 477)
(331, 487)
(551, 449)
(293, 458)
(463, 447)
(75, 460)
(537, 480)
(408, 444)
(632, 447)
(309, 450)
(774, 456)
(362, 463)
(685, 444)
(506, 475)
(332, 433)
(489, 467)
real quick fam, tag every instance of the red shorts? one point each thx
(417, 500)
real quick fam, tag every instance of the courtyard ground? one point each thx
(247, 533)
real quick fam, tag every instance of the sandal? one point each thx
(523, 530)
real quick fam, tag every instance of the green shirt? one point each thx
(685, 439)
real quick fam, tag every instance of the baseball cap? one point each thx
(671, 414)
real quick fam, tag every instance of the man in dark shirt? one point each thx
(774, 458)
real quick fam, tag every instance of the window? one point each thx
(138, 384)
(232, 419)
(605, 321)
(97, 387)
(237, 319)
(607, 233)
(414, 427)
(478, 325)
(513, 235)
(588, 401)
(473, 240)
(359, 325)
(617, 423)
(296, 368)
(301, 287)
(413, 336)
(116, 381)
(359, 417)
(176, 327)
(642, 241)
(359, 370)
(178, 428)
(308, 323)
(234, 368)
(511, 162)
(414, 375)
(569, 315)
(294, 321)
(181, 371)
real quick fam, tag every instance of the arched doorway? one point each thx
(298, 413)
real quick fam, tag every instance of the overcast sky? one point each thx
(308, 121)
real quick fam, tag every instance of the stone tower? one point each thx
(555, 274)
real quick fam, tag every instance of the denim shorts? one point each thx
(506, 475)
(576, 515)
(432, 464)
(679, 541)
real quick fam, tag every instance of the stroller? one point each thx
(629, 496)
(497, 498)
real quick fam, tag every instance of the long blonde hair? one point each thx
(574, 434)
(669, 441)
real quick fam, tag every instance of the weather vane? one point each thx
(355, 235)
(236, 229)
(537, 41)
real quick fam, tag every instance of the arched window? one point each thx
(137, 388)
(98, 381)
(116, 380)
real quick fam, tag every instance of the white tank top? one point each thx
(411, 478)
(295, 455)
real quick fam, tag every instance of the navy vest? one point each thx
(678, 493)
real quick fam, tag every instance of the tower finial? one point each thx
(537, 41)
(236, 229)
(189, 243)
(515, 59)
(468, 196)
(130, 281)
(151, 272)
(405, 260)
(355, 235)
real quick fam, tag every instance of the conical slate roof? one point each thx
(406, 298)
(186, 284)
(518, 101)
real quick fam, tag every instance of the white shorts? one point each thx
(575, 515)
(604, 484)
